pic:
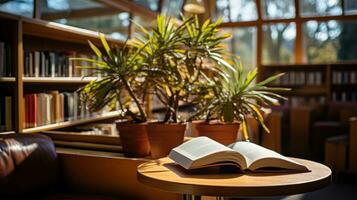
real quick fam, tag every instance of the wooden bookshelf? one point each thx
(335, 82)
(7, 79)
(58, 80)
(65, 124)
(28, 34)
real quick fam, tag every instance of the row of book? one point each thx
(53, 107)
(297, 78)
(344, 96)
(344, 77)
(5, 59)
(55, 64)
(5, 113)
(300, 101)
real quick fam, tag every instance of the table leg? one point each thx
(191, 197)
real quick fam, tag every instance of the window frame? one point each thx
(298, 20)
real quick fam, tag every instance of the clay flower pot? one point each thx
(164, 137)
(134, 139)
(223, 133)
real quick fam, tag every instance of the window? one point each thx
(19, 7)
(88, 14)
(151, 4)
(243, 44)
(330, 41)
(323, 31)
(279, 43)
(320, 7)
(172, 8)
(277, 9)
(351, 7)
(236, 10)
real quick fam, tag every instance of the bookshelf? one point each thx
(316, 83)
(65, 124)
(22, 35)
(7, 80)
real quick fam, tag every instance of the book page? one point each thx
(201, 151)
(259, 157)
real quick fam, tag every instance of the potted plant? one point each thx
(233, 97)
(120, 84)
(174, 59)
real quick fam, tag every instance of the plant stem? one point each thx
(142, 113)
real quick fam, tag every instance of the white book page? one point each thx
(258, 157)
(195, 149)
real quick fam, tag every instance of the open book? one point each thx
(203, 152)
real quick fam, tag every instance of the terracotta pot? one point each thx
(134, 139)
(223, 133)
(164, 137)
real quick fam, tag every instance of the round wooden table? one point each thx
(164, 174)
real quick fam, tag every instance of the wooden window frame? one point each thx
(298, 20)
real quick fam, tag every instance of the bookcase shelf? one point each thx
(7, 79)
(52, 30)
(7, 132)
(24, 35)
(65, 124)
(58, 80)
(330, 83)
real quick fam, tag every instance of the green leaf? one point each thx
(270, 79)
(105, 45)
(95, 49)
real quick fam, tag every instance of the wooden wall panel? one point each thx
(108, 175)
(353, 146)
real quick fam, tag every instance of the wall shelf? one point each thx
(65, 124)
(58, 80)
(7, 79)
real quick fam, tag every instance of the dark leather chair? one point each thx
(29, 167)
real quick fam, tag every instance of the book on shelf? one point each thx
(5, 59)
(53, 107)
(344, 96)
(344, 77)
(296, 101)
(55, 64)
(202, 152)
(5, 113)
(299, 78)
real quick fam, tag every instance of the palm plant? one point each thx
(174, 57)
(233, 97)
(119, 83)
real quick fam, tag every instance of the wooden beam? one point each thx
(37, 9)
(130, 6)
(299, 51)
(82, 13)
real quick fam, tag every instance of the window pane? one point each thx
(278, 9)
(279, 43)
(150, 4)
(24, 7)
(351, 7)
(87, 14)
(243, 44)
(172, 8)
(330, 41)
(320, 7)
(236, 10)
